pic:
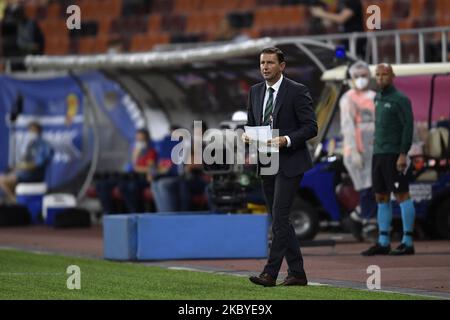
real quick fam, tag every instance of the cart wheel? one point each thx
(305, 219)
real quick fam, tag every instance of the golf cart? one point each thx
(326, 195)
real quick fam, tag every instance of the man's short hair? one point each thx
(36, 125)
(358, 65)
(274, 50)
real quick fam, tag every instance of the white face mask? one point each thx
(32, 136)
(140, 145)
(361, 83)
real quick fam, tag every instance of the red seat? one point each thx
(116, 194)
(147, 194)
(91, 192)
(200, 201)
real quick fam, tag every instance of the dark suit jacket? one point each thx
(294, 116)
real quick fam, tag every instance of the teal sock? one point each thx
(408, 213)
(384, 217)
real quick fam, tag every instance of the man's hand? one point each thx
(401, 162)
(245, 138)
(317, 12)
(279, 142)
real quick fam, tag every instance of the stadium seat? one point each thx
(203, 21)
(154, 23)
(442, 13)
(295, 15)
(54, 11)
(400, 10)
(437, 144)
(246, 5)
(104, 25)
(186, 6)
(90, 9)
(56, 36)
(386, 49)
(146, 42)
(410, 50)
(263, 18)
(129, 25)
(91, 192)
(101, 44)
(219, 5)
(260, 3)
(200, 202)
(31, 9)
(112, 8)
(162, 6)
(97, 9)
(147, 195)
(197, 20)
(92, 45)
(194, 22)
(86, 45)
(173, 23)
(57, 46)
(253, 32)
(418, 12)
(53, 26)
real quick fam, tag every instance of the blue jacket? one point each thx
(39, 152)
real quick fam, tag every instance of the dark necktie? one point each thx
(269, 108)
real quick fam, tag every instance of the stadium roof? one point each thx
(296, 48)
(400, 70)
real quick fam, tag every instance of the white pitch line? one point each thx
(232, 274)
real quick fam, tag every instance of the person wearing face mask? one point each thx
(32, 166)
(168, 185)
(357, 112)
(132, 184)
(143, 157)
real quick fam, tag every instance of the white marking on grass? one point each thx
(231, 274)
(31, 273)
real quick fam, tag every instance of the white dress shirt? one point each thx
(276, 88)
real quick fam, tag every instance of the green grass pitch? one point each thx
(25, 275)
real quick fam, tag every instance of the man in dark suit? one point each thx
(287, 106)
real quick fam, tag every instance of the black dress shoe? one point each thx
(294, 281)
(377, 249)
(402, 249)
(264, 279)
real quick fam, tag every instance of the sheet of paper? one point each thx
(260, 135)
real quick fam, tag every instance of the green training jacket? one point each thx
(393, 122)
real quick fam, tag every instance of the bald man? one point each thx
(390, 174)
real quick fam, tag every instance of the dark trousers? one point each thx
(131, 191)
(279, 192)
